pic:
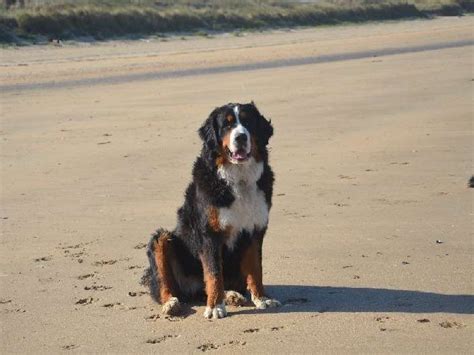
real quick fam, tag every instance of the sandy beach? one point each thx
(370, 241)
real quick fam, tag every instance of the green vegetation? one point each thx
(65, 19)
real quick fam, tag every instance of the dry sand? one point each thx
(372, 158)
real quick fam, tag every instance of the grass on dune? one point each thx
(107, 19)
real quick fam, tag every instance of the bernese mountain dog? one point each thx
(215, 251)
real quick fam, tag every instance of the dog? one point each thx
(215, 251)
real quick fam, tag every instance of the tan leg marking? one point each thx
(167, 286)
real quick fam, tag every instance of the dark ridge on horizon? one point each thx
(107, 20)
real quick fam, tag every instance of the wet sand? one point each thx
(369, 245)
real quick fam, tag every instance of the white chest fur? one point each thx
(249, 211)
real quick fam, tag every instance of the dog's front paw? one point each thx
(265, 302)
(171, 307)
(218, 312)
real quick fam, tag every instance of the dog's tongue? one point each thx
(239, 155)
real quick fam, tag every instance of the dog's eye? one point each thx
(226, 125)
(248, 123)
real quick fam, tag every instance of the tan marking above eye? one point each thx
(230, 118)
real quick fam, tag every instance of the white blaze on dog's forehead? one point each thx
(236, 113)
(238, 130)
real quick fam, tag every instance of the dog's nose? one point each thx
(241, 138)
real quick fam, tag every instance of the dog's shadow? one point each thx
(352, 299)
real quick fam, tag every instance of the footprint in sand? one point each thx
(273, 329)
(161, 339)
(139, 293)
(7, 303)
(252, 330)
(70, 347)
(345, 177)
(152, 318)
(208, 347)
(382, 320)
(86, 301)
(140, 246)
(132, 267)
(72, 252)
(16, 310)
(104, 262)
(447, 324)
(97, 288)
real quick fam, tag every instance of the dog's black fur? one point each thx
(195, 245)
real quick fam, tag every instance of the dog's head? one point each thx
(234, 133)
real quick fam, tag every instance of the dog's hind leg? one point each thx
(163, 285)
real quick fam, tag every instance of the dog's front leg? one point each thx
(211, 260)
(251, 268)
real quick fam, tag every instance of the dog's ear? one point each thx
(264, 126)
(208, 131)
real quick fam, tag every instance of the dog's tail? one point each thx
(146, 277)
